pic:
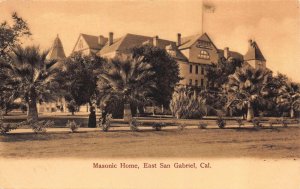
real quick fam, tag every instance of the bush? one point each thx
(256, 123)
(221, 122)
(240, 122)
(133, 125)
(73, 126)
(6, 127)
(106, 125)
(187, 104)
(202, 125)
(40, 126)
(284, 123)
(181, 127)
(158, 126)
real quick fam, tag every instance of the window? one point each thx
(202, 82)
(191, 82)
(202, 70)
(196, 82)
(203, 55)
(191, 68)
(196, 69)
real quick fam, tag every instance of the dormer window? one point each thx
(203, 55)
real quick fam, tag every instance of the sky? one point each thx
(273, 24)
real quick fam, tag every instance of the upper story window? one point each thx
(197, 69)
(202, 70)
(191, 68)
(203, 55)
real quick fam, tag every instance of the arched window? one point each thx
(203, 55)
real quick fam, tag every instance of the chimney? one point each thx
(102, 40)
(226, 52)
(110, 38)
(155, 41)
(178, 39)
(250, 42)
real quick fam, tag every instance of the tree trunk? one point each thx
(32, 113)
(292, 113)
(250, 113)
(127, 113)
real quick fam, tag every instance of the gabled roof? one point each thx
(233, 54)
(92, 41)
(254, 52)
(187, 42)
(57, 51)
(129, 41)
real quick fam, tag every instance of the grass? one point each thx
(171, 143)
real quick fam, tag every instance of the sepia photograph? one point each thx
(149, 94)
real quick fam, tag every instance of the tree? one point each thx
(217, 74)
(246, 87)
(289, 97)
(127, 79)
(30, 77)
(187, 104)
(10, 35)
(78, 79)
(166, 72)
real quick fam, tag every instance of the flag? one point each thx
(208, 8)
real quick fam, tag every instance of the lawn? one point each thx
(191, 142)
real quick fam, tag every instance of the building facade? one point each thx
(192, 53)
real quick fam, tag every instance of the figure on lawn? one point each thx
(92, 118)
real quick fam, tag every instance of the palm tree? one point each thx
(128, 80)
(289, 96)
(246, 87)
(30, 77)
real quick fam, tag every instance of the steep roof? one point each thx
(57, 51)
(129, 41)
(92, 41)
(187, 42)
(254, 52)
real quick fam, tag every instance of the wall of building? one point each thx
(257, 64)
(190, 76)
(196, 56)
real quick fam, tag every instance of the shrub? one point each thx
(73, 126)
(181, 127)
(133, 125)
(40, 126)
(202, 125)
(106, 125)
(284, 123)
(240, 122)
(221, 122)
(256, 123)
(187, 104)
(158, 126)
(6, 127)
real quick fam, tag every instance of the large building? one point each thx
(193, 53)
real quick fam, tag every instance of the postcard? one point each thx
(149, 94)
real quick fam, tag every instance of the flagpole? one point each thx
(202, 19)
